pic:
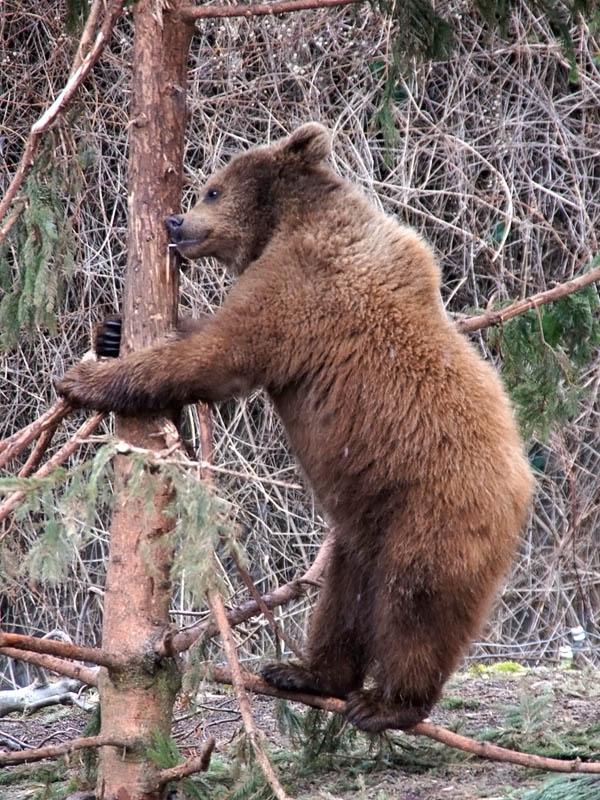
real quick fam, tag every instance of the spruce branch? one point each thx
(238, 681)
(64, 97)
(67, 450)
(61, 649)
(492, 752)
(193, 13)
(190, 767)
(263, 607)
(37, 452)
(66, 748)
(87, 35)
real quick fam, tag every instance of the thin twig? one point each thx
(67, 450)
(481, 749)
(189, 767)
(55, 750)
(521, 306)
(238, 682)
(193, 13)
(183, 640)
(78, 672)
(11, 219)
(264, 608)
(61, 649)
(60, 103)
(205, 426)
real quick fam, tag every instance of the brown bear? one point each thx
(403, 431)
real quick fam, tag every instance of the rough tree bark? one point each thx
(137, 701)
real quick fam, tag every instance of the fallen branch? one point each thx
(521, 306)
(76, 78)
(87, 675)
(60, 649)
(486, 750)
(183, 640)
(193, 13)
(238, 682)
(39, 694)
(67, 450)
(189, 767)
(55, 750)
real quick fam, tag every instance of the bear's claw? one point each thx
(107, 341)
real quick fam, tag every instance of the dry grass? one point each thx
(497, 161)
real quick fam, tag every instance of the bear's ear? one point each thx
(310, 143)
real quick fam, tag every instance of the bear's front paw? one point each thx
(82, 386)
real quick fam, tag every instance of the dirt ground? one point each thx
(548, 711)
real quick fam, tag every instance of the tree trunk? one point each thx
(138, 701)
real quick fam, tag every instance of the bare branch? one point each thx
(183, 640)
(57, 459)
(60, 649)
(87, 34)
(55, 750)
(37, 453)
(60, 103)
(193, 13)
(15, 444)
(189, 767)
(238, 682)
(521, 306)
(481, 749)
(87, 675)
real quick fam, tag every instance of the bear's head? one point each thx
(241, 204)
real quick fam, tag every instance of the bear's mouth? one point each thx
(188, 244)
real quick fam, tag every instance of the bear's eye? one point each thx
(211, 195)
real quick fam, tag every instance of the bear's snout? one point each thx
(173, 225)
(188, 235)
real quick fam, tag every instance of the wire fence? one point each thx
(493, 155)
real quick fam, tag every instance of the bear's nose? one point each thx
(173, 224)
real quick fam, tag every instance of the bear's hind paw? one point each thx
(368, 712)
(292, 678)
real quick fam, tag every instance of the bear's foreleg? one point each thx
(206, 366)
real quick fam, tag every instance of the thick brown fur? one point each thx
(403, 431)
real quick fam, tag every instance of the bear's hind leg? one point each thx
(336, 660)
(419, 634)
